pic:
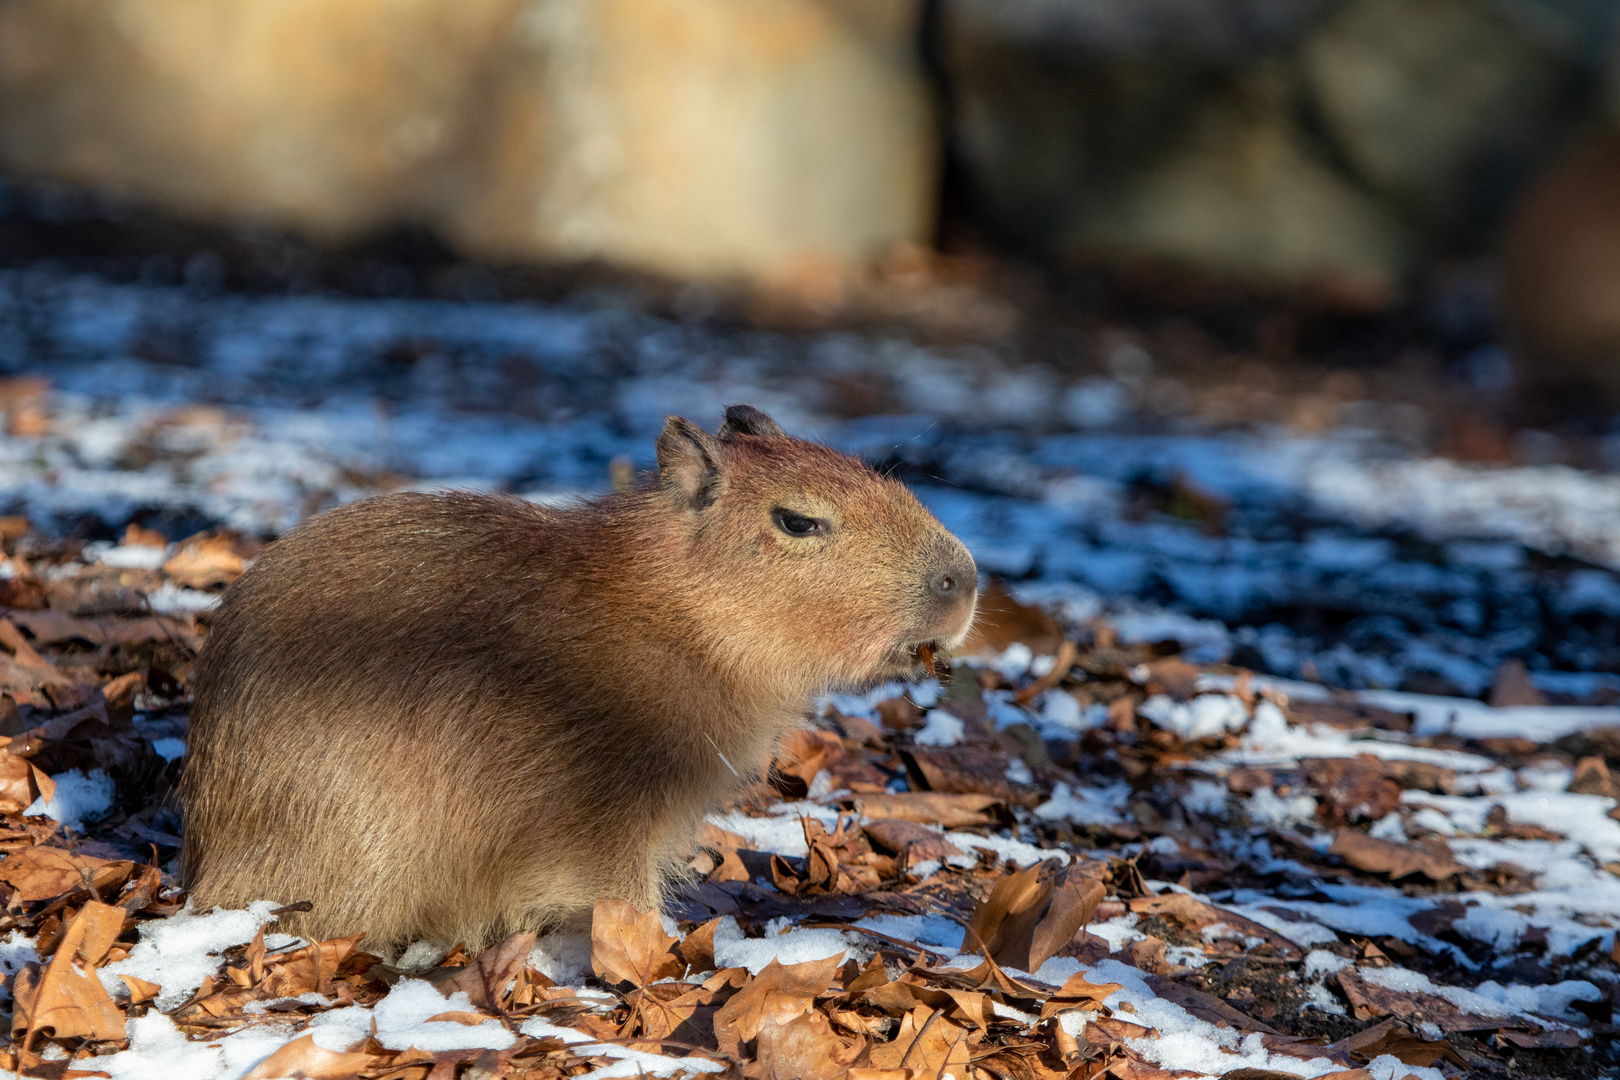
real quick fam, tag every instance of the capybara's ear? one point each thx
(689, 464)
(747, 420)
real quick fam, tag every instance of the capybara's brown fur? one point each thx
(449, 717)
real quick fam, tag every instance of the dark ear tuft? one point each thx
(747, 420)
(689, 463)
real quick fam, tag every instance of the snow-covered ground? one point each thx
(1341, 560)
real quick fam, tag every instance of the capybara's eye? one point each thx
(795, 524)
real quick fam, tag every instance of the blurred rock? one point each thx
(707, 138)
(1052, 100)
(1561, 269)
(1244, 191)
(1166, 129)
(1443, 106)
(1335, 140)
(728, 137)
(331, 117)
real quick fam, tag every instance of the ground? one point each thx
(1282, 749)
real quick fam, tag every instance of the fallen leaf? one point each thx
(21, 782)
(1394, 860)
(1370, 1001)
(1549, 1039)
(312, 968)
(140, 991)
(969, 770)
(1078, 992)
(486, 979)
(44, 873)
(930, 808)
(630, 946)
(1351, 789)
(799, 757)
(303, 1057)
(1195, 914)
(1204, 1006)
(804, 1047)
(926, 1043)
(206, 560)
(912, 842)
(697, 948)
(1347, 715)
(65, 1000)
(1592, 777)
(1148, 954)
(779, 992)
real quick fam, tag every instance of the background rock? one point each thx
(332, 116)
(706, 138)
(1442, 106)
(734, 136)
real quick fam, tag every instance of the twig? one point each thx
(1066, 656)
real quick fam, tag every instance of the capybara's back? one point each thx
(453, 716)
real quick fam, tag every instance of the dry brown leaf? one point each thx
(303, 1057)
(912, 842)
(800, 756)
(313, 967)
(44, 873)
(1014, 903)
(630, 946)
(1074, 901)
(140, 991)
(1060, 668)
(1195, 914)
(1395, 860)
(1352, 789)
(697, 948)
(53, 626)
(926, 1043)
(780, 992)
(1592, 777)
(206, 560)
(1078, 992)
(456, 1016)
(930, 808)
(21, 782)
(1205, 1006)
(66, 1000)
(1512, 686)
(487, 978)
(969, 770)
(804, 1047)
(1370, 1001)
(1031, 914)
(1148, 954)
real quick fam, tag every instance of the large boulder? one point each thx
(1243, 190)
(703, 136)
(710, 137)
(1159, 128)
(1444, 107)
(331, 116)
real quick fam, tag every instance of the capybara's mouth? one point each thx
(923, 657)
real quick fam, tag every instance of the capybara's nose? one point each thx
(954, 579)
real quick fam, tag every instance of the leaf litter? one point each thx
(1127, 904)
(1117, 840)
